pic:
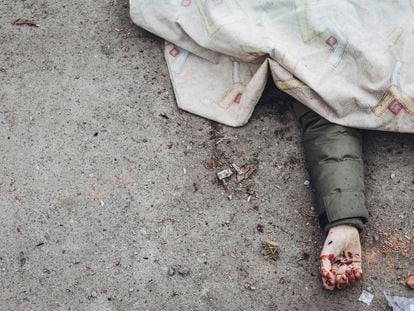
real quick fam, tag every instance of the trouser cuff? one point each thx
(355, 222)
(344, 207)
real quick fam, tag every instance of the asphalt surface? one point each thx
(106, 200)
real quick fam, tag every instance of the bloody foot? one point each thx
(341, 257)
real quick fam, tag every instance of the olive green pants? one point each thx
(334, 158)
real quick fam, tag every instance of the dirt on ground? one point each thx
(109, 193)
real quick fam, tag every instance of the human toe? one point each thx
(350, 273)
(357, 273)
(328, 280)
(342, 281)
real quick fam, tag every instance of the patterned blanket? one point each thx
(350, 61)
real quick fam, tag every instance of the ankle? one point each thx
(344, 229)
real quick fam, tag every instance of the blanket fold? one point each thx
(350, 62)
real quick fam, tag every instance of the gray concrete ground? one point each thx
(103, 187)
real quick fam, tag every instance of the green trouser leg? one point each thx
(334, 157)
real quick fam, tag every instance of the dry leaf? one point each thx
(211, 164)
(23, 21)
(270, 250)
(246, 172)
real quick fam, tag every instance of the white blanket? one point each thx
(351, 61)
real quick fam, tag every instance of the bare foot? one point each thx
(341, 257)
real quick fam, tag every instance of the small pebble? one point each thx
(249, 286)
(171, 271)
(183, 270)
(260, 228)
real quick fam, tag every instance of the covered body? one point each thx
(350, 61)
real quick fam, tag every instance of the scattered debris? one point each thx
(183, 270)
(410, 280)
(305, 213)
(195, 186)
(237, 169)
(304, 256)
(307, 183)
(124, 32)
(94, 294)
(225, 184)
(221, 139)
(212, 164)
(246, 172)
(164, 115)
(171, 271)
(391, 240)
(224, 174)
(22, 259)
(242, 173)
(399, 303)
(270, 250)
(260, 228)
(366, 297)
(23, 21)
(249, 286)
